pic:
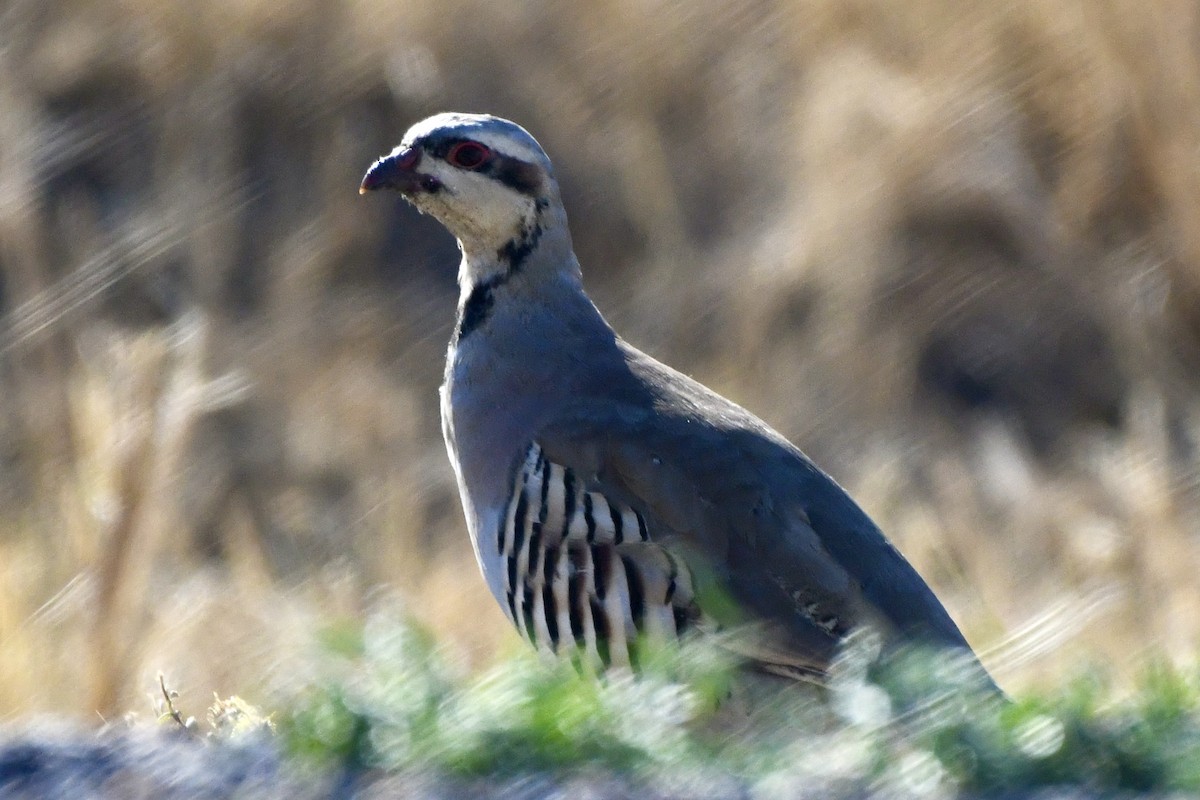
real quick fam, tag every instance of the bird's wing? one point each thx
(753, 520)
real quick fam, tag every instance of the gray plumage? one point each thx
(606, 493)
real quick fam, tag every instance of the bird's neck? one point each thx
(508, 243)
(539, 254)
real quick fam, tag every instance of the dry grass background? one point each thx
(951, 248)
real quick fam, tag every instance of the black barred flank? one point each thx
(535, 539)
(577, 600)
(637, 592)
(550, 564)
(527, 610)
(511, 597)
(548, 609)
(544, 510)
(603, 572)
(569, 494)
(594, 568)
(603, 631)
(519, 522)
(550, 567)
(512, 573)
(589, 518)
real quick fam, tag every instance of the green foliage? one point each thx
(395, 701)
(1076, 735)
(921, 722)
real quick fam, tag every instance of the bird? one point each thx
(609, 497)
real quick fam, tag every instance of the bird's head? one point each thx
(485, 178)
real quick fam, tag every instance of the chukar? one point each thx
(606, 494)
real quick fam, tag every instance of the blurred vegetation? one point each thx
(947, 247)
(392, 703)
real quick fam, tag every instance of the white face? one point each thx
(481, 177)
(481, 213)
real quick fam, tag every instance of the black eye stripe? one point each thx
(520, 176)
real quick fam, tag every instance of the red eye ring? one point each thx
(468, 155)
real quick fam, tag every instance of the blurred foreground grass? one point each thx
(947, 247)
(389, 701)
